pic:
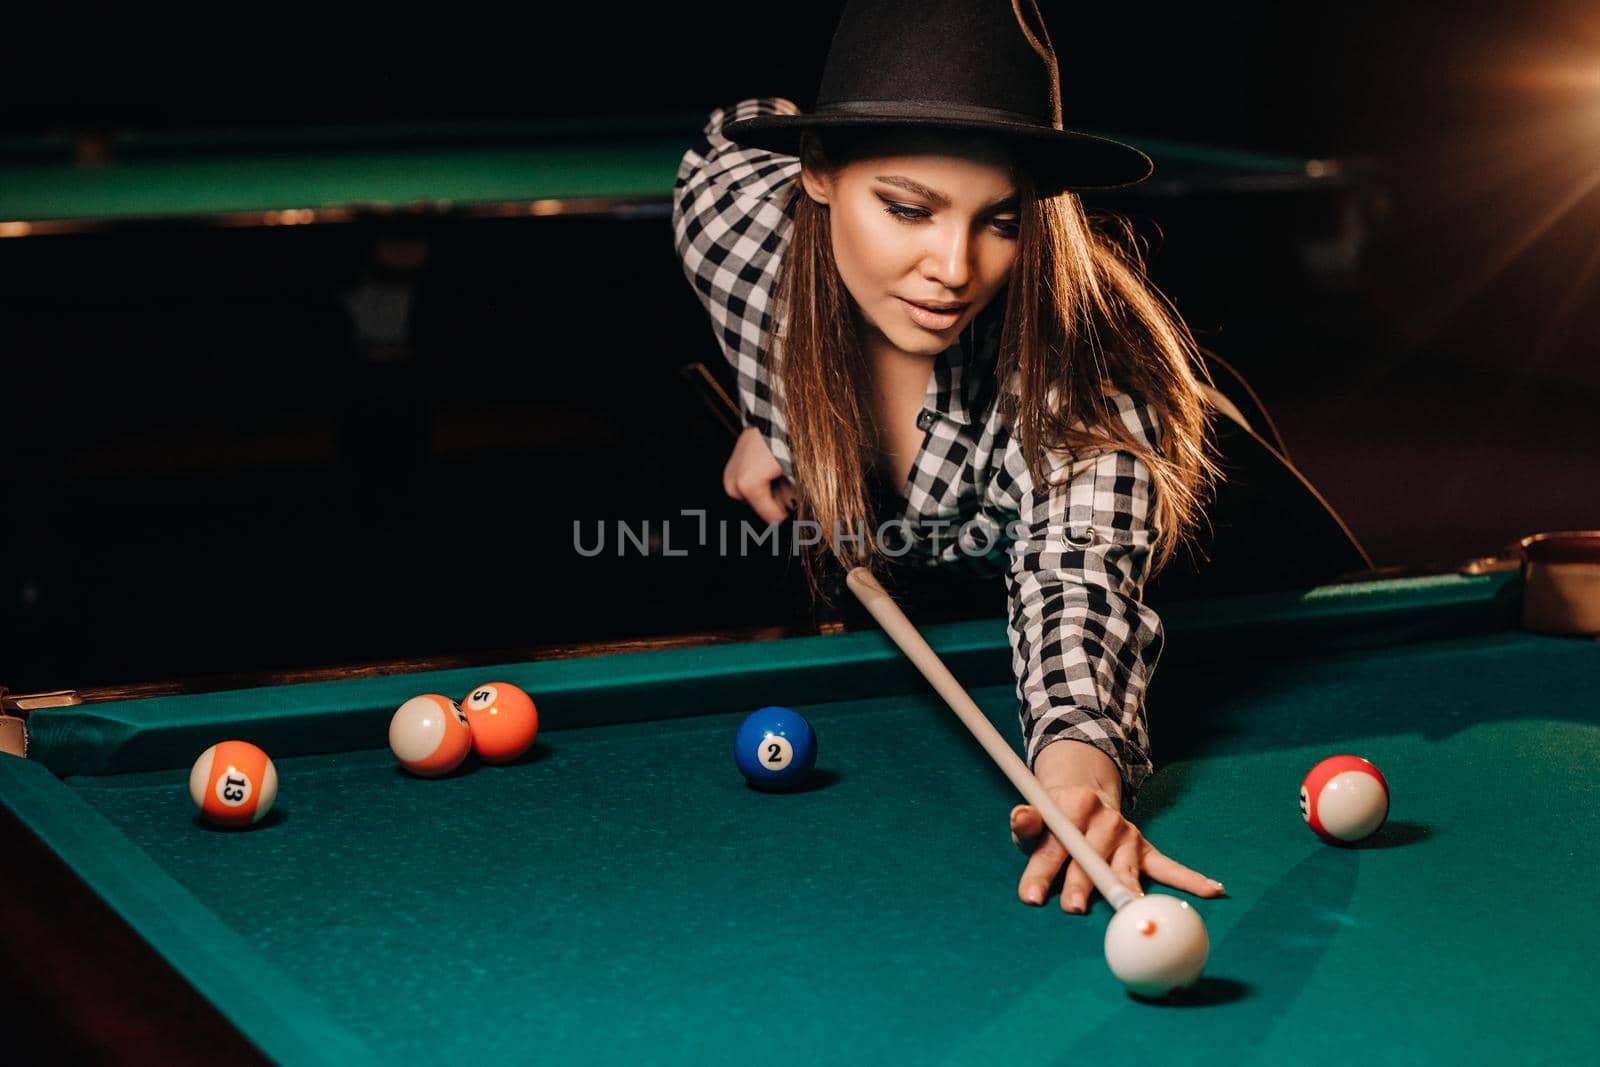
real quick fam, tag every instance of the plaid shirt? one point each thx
(1084, 645)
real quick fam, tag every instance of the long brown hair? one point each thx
(1081, 318)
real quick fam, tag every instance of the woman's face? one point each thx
(925, 220)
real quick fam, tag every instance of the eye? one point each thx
(1005, 227)
(900, 211)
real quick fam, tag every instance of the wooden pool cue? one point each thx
(903, 633)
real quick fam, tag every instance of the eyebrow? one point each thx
(939, 199)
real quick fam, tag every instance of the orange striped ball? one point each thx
(429, 735)
(233, 783)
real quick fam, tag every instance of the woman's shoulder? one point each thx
(1136, 414)
(715, 163)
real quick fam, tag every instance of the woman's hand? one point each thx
(1084, 783)
(754, 476)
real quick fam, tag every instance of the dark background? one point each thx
(1443, 394)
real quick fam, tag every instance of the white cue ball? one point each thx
(1155, 944)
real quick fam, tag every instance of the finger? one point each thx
(1075, 890)
(1042, 868)
(757, 492)
(1101, 835)
(1125, 865)
(1170, 872)
(783, 493)
(1026, 826)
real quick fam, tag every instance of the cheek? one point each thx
(999, 261)
(868, 250)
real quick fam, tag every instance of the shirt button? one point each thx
(925, 418)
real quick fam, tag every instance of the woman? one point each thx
(926, 328)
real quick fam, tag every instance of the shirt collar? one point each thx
(963, 372)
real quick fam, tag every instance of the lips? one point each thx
(929, 319)
(936, 308)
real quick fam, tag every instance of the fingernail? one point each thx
(1216, 885)
(1078, 902)
(1033, 895)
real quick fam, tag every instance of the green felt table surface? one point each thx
(623, 897)
(399, 166)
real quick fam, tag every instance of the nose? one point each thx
(948, 260)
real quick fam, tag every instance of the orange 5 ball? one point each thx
(504, 721)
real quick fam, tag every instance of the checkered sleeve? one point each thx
(1084, 645)
(732, 208)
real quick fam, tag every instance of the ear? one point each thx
(817, 186)
(816, 176)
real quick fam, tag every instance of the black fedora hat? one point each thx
(984, 66)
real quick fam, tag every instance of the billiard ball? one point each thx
(1155, 944)
(429, 735)
(1344, 799)
(233, 783)
(504, 721)
(775, 748)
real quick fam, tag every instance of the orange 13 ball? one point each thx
(504, 721)
(233, 783)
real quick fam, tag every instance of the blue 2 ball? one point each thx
(775, 749)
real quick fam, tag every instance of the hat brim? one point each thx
(1064, 159)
